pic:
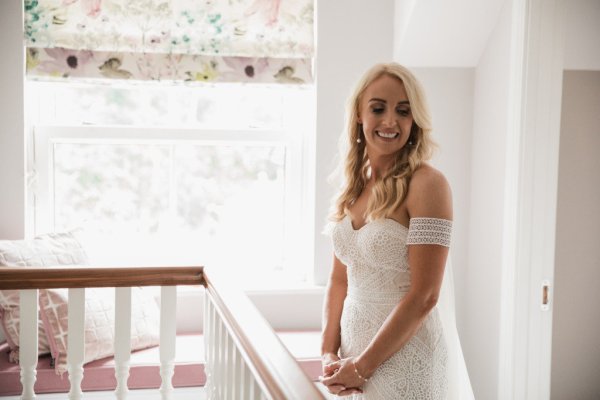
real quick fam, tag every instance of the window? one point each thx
(154, 173)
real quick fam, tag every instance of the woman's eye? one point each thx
(377, 110)
(404, 112)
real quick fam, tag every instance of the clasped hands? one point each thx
(340, 375)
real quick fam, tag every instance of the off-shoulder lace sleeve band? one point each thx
(429, 231)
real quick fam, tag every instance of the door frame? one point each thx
(537, 57)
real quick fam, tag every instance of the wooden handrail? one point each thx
(84, 277)
(277, 372)
(279, 375)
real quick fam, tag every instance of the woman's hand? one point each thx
(329, 363)
(327, 360)
(340, 377)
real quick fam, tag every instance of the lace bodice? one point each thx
(375, 255)
(379, 276)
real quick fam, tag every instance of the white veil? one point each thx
(459, 384)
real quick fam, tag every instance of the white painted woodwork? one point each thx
(247, 361)
(227, 374)
(256, 392)
(246, 378)
(13, 205)
(168, 310)
(252, 389)
(76, 341)
(244, 357)
(122, 340)
(220, 360)
(209, 345)
(230, 349)
(532, 176)
(238, 368)
(206, 334)
(28, 341)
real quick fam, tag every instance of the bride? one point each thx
(384, 336)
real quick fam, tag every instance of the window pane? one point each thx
(254, 106)
(219, 205)
(111, 188)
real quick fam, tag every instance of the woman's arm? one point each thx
(429, 196)
(332, 314)
(332, 309)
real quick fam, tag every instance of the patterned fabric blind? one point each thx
(191, 40)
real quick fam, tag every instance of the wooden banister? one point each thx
(85, 277)
(275, 370)
(272, 363)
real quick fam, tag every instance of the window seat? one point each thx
(144, 370)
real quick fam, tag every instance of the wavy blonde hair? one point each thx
(390, 189)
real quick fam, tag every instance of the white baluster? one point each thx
(238, 366)
(227, 368)
(214, 352)
(168, 310)
(248, 383)
(28, 341)
(255, 392)
(208, 328)
(222, 378)
(216, 355)
(122, 340)
(232, 367)
(76, 341)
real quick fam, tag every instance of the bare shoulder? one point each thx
(429, 194)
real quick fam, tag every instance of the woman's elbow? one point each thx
(429, 302)
(424, 303)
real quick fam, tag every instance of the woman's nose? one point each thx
(389, 119)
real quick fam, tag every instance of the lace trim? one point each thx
(429, 231)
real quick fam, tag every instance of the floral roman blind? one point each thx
(173, 40)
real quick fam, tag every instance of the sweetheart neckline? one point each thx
(375, 220)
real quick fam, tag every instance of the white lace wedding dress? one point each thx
(378, 278)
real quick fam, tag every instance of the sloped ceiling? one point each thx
(454, 33)
(443, 33)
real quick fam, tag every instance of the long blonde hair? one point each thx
(390, 190)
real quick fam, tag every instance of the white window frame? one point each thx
(296, 258)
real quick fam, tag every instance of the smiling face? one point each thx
(386, 118)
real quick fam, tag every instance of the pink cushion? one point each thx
(65, 249)
(99, 322)
(100, 374)
(44, 250)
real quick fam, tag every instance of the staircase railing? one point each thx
(244, 357)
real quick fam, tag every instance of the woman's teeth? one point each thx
(386, 135)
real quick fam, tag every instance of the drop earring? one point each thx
(359, 140)
(413, 133)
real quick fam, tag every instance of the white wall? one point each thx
(450, 96)
(490, 115)
(582, 31)
(12, 139)
(576, 326)
(352, 38)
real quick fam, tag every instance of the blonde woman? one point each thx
(382, 336)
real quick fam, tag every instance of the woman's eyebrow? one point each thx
(383, 101)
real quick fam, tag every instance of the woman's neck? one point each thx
(380, 166)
